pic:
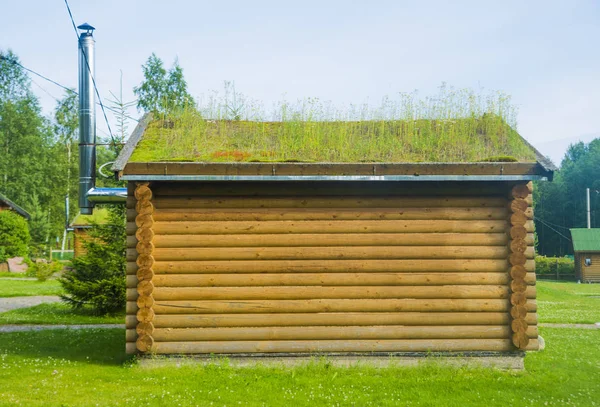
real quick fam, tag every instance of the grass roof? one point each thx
(455, 126)
(99, 216)
(460, 140)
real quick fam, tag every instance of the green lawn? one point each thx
(21, 288)
(77, 368)
(568, 303)
(89, 367)
(56, 314)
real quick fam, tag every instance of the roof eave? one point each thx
(190, 171)
(131, 143)
(15, 207)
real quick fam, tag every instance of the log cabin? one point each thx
(8, 205)
(81, 226)
(250, 238)
(586, 246)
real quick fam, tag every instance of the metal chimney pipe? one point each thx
(87, 118)
(589, 219)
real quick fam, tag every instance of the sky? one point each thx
(542, 53)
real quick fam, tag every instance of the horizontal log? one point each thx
(131, 307)
(131, 348)
(335, 319)
(130, 335)
(337, 332)
(311, 346)
(131, 322)
(335, 305)
(328, 202)
(332, 266)
(336, 226)
(316, 292)
(348, 239)
(338, 279)
(329, 253)
(274, 214)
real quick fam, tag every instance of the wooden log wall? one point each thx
(214, 268)
(521, 213)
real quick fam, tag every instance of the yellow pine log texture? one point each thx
(348, 292)
(335, 226)
(311, 346)
(275, 214)
(519, 298)
(332, 266)
(142, 254)
(331, 253)
(325, 239)
(331, 319)
(316, 240)
(330, 202)
(338, 332)
(329, 227)
(331, 305)
(325, 279)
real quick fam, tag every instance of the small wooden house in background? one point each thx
(242, 250)
(7, 204)
(81, 226)
(586, 245)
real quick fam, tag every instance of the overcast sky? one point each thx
(543, 53)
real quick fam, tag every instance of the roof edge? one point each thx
(15, 207)
(532, 170)
(544, 161)
(132, 142)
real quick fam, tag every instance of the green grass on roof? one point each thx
(456, 127)
(586, 240)
(99, 216)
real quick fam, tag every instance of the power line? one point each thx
(92, 76)
(551, 228)
(12, 61)
(553, 224)
(70, 90)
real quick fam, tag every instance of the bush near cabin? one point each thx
(97, 279)
(553, 265)
(14, 236)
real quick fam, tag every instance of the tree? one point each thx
(561, 204)
(14, 235)
(66, 128)
(97, 279)
(162, 92)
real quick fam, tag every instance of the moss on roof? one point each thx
(99, 216)
(462, 140)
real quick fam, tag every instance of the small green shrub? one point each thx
(14, 236)
(97, 279)
(43, 270)
(553, 265)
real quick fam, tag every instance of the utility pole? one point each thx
(589, 221)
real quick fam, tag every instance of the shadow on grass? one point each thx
(57, 313)
(99, 346)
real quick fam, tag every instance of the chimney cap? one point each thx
(86, 27)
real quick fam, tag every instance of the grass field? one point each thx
(22, 288)
(568, 303)
(89, 367)
(56, 314)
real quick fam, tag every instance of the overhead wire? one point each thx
(551, 228)
(70, 90)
